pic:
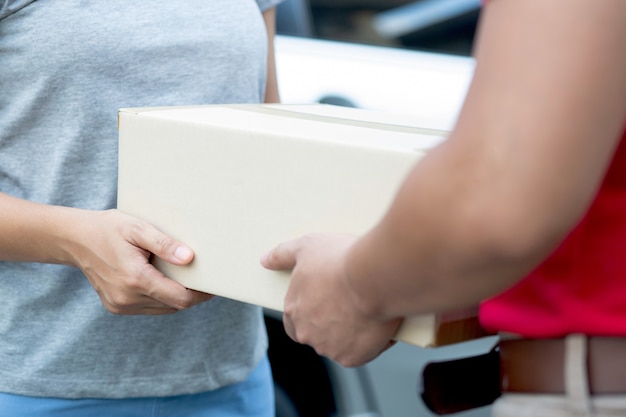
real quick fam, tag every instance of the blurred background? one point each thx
(445, 26)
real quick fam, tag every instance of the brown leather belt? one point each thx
(537, 365)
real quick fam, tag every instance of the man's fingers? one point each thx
(281, 258)
(289, 329)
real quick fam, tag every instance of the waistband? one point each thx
(537, 365)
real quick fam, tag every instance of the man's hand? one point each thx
(321, 310)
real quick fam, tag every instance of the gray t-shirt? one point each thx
(65, 69)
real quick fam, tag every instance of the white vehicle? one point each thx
(430, 87)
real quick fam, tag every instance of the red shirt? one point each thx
(581, 287)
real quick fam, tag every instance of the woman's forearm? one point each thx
(34, 232)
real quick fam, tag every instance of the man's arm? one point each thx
(542, 118)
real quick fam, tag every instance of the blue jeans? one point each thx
(253, 397)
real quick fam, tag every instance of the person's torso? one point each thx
(66, 67)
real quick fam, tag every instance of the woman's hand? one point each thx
(113, 250)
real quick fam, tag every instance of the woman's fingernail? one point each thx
(183, 253)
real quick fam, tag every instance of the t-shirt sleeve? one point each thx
(267, 4)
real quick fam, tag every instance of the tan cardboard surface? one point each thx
(233, 181)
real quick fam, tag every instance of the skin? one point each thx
(110, 247)
(543, 116)
(271, 91)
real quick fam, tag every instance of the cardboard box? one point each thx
(232, 181)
